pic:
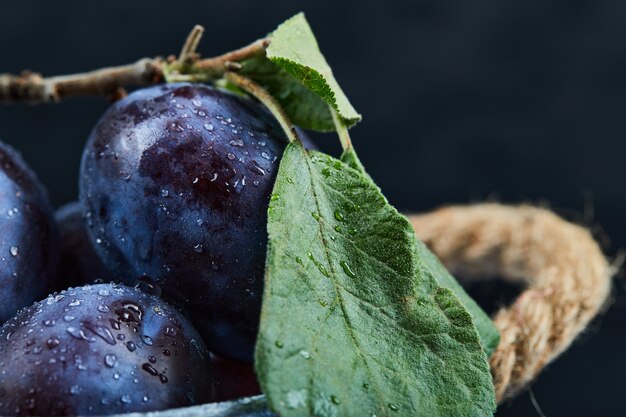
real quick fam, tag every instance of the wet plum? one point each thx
(79, 263)
(101, 349)
(28, 236)
(234, 379)
(176, 181)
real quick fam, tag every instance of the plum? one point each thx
(28, 238)
(176, 181)
(234, 379)
(79, 263)
(101, 349)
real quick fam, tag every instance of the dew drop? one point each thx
(149, 369)
(170, 331)
(109, 360)
(279, 344)
(208, 126)
(147, 340)
(125, 399)
(346, 268)
(148, 286)
(334, 400)
(339, 215)
(52, 342)
(130, 345)
(392, 407)
(13, 250)
(100, 331)
(76, 333)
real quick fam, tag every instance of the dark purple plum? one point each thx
(234, 379)
(176, 181)
(79, 263)
(101, 349)
(28, 236)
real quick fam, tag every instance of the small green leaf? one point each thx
(300, 78)
(487, 331)
(353, 321)
(305, 108)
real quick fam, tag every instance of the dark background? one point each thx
(514, 100)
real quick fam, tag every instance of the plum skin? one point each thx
(28, 236)
(79, 264)
(234, 379)
(176, 180)
(101, 349)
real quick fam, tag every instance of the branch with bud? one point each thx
(111, 82)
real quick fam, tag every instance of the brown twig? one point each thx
(33, 88)
(254, 49)
(187, 53)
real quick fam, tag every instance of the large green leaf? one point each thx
(487, 331)
(354, 322)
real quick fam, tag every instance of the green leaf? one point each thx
(299, 77)
(353, 321)
(305, 108)
(487, 331)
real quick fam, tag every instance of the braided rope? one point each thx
(568, 278)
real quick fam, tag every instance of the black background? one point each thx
(513, 100)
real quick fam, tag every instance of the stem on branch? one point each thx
(187, 53)
(33, 88)
(267, 100)
(256, 48)
(342, 130)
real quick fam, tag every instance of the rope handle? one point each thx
(568, 279)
